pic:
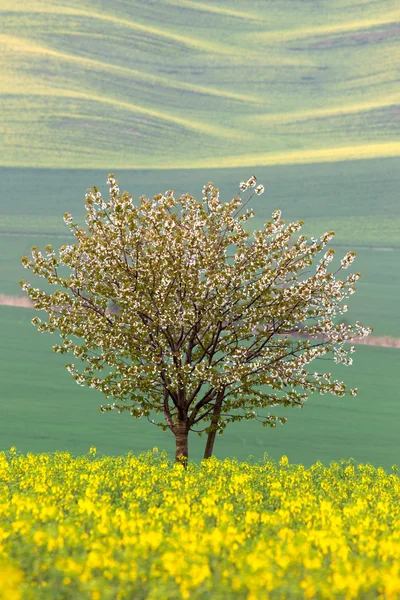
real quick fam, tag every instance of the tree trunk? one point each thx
(214, 421)
(181, 438)
(210, 444)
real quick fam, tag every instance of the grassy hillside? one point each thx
(44, 410)
(358, 199)
(169, 95)
(182, 83)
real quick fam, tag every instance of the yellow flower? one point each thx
(10, 583)
(284, 461)
(143, 527)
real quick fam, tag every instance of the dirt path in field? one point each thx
(15, 301)
(384, 341)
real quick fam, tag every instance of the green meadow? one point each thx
(43, 410)
(171, 95)
(357, 199)
(197, 84)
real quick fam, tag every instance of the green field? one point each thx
(171, 95)
(358, 199)
(197, 84)
(43, 410)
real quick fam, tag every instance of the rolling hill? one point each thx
(187, 84)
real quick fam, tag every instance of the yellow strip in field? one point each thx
(22, 6)
(316, 113)
(292, 34)
(210, 8)
(13, 44)
(382, 150)
(200, 127)
(208, 46)
(16, 44)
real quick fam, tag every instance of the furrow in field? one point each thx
(197, 126)
(320, 113)
(326, 30)
(163, 33)
(218, 10)
(379, 150)
(23, 46)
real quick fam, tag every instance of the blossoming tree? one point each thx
(182, 315)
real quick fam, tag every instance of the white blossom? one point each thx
(67, 218)
(348, 259)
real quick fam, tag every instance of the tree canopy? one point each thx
(184, 317)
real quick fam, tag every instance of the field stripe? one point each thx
(323, 30)
(316, 113)
(210, 8)
(382, 150)
(188, 41)
(16, 44)
(200, 127)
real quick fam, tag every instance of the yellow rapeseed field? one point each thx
(140, 527)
